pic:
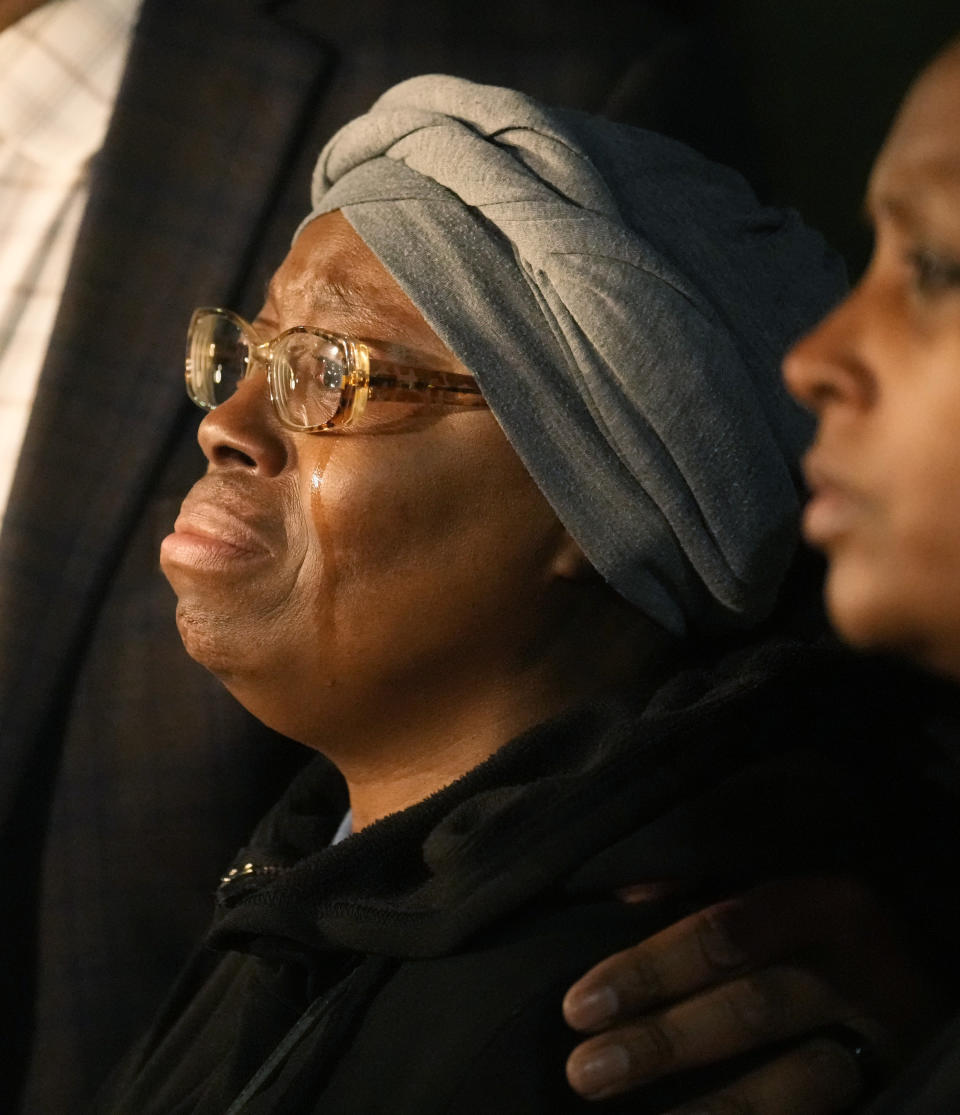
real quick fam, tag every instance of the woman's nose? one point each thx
(829, 365)
(244, 432)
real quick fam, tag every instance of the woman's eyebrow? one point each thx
(891, 205)
(366, 309)
(320, 294)
(368, 315)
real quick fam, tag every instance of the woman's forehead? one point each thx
(926, 128)
(917, 172)
(330, 278)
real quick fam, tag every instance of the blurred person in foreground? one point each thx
(882, 374)
(499, 516)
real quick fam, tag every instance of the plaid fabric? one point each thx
(60, 67)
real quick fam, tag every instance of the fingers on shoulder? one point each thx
(820, 1077)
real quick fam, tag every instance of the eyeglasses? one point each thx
(317, 380)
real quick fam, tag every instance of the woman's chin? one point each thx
(889, 615)
(212, 641)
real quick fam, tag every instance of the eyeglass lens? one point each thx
(308, 375)
(218, 359)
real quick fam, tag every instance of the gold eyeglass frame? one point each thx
(392, 373)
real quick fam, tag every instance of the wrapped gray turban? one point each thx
(624, 305)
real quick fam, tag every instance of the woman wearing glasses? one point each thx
(501, 496)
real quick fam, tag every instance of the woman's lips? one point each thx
(833, 508)
(208, 533)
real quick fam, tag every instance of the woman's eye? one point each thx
(934, 273)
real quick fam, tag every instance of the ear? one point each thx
(570, 562)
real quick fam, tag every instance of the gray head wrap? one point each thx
(624, 304)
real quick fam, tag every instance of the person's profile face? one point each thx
(313, 570)
(882, 373)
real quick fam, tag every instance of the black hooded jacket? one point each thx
(418, 966)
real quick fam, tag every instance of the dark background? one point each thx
(822, 80)
(795, 93)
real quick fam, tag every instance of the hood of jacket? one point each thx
(780, 758)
